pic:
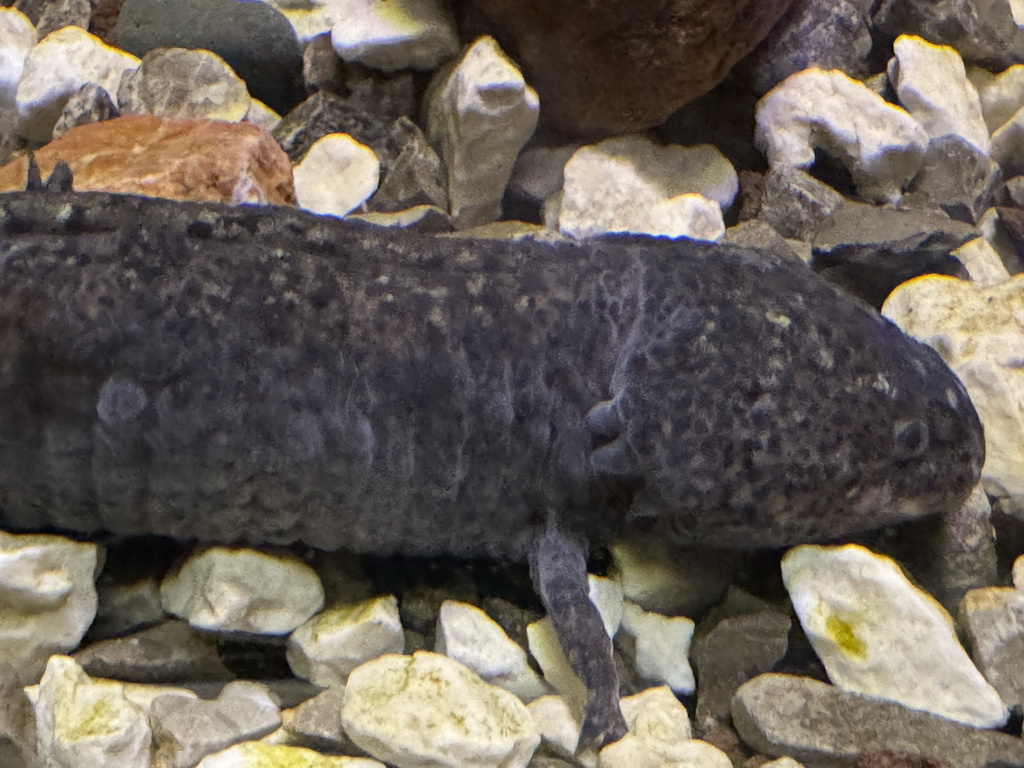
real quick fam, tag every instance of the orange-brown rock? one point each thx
(183, 159)
(616, 66)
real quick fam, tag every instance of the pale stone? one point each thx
(1001, 94)
(177, 82)
(479, 115)
(336, 176)
(261, 115)
(1008, 145)
(982, 261)
(471, 637)
(47, 599)
(546, 650)
(657, 715)
(979, 331)
(243, 590)
(783, 762)
(662, 647)
(60, 64)
(426, 709)
(880, 144)
(83, 723)
(17, 37)
(256, 755)
(330, 645)
(309, 18)
(633, 752)
(879, 635)
(931, 83)
(631, 184)
(607, 596)
(186, 731)
(1018, 573)
(394, 34)
(556, 723)
(992, 620)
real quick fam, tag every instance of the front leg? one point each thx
(559, 568)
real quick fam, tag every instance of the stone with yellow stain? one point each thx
(879, 635)
(330, 645)
(426, 709)
(337, 175)
(979, 331)
(83, 722)
(17, 37)
(394, 34)
(880, 144)
(255, 755)
(60, 64)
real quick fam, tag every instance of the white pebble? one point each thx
(336, 176)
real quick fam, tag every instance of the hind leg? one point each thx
(559, 570)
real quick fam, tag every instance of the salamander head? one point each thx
(748, 426)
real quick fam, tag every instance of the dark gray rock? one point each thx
(255, 39)
(322, 70)
(828, 34)
(32, 8)
(89, 104)
(729, 654)
(956, 177)
(869, 250)
(983, 31)
(323, 113)
(760, 234)
(63, 13)
(171, 652)
(126, 608)
(316, 724)
(412, 172)
(823, 726)
(795, 203)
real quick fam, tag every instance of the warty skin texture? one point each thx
(264, 376)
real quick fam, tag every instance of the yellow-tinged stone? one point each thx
(979, 332)
(254, 754)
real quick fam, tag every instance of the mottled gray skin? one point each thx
(265, 376)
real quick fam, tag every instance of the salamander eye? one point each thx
(909, 438)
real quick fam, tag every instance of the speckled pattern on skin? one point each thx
(264, 376)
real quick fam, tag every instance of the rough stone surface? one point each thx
(992, 620)
(479, 116)
(63, 13)
(89, 104)
(82, 723)
(469, 636)
(255, 755)
(316, 723)
(183, 159)
(186, 731)
(170, 652)
(394, 34)
(978, 332)
(893, 758)
(931, 83)
(322, 114)
(624, 67)
(661, 646)
(175, 82)
(796, 204)
(1001, 94)
(880, 636)
(47, 600)
(243, 590)
(879, 144)
(546, 651)
(254, 39)
(56, 68)
(426, 709)
(983, 31)
(423, 218)
(17, 37)
(1008, 145)
(736, 649)
(337, 175)
(956, 177)
(822, 725)
(828, 34)
(413, 174)
(630, 184)
(330, 645)
(555, 722)
(982, 262)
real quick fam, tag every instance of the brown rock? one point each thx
(183, 159)
(620, 66)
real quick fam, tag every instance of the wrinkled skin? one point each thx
(262, 376)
